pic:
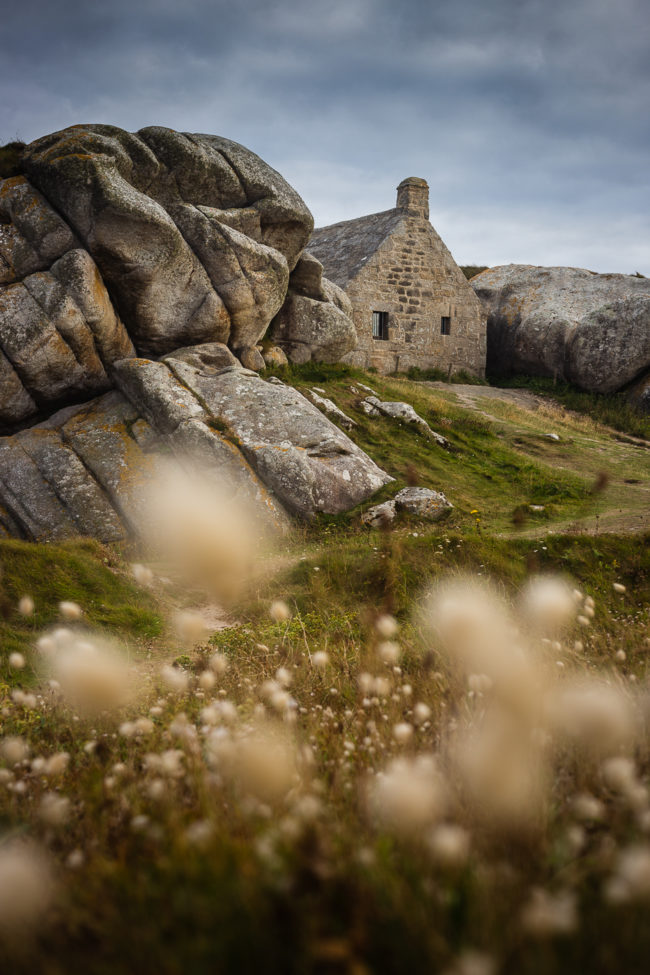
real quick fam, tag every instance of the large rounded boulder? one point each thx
(590, 329)
(115, 243)
(139, 273)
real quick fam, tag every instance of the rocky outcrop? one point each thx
(590, 329)
(139, 273)
(205, 230)
(417, 501)
(315, 322)
(82, 471)
(115, 243)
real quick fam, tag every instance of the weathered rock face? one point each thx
(205, 231)
(315, 322)
(154, 262)
(177, 239)
(83, 470)
(590, 329)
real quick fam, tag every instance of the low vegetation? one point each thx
(613, 410)
(10, 159)
(471, 270)
(417, 749)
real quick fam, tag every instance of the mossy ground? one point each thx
(85, 572)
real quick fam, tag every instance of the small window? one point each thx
(445, 325)
(380, 324)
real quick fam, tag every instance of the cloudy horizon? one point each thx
(527, 118)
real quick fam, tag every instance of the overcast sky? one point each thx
(528, 118)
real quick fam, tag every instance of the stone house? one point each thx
(412, 305)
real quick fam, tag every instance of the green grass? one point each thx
(480, 471)
(612, 409)
(350, 571)
(147, 904)
(82, 571)
(341, 895)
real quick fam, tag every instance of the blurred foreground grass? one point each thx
(223, 821)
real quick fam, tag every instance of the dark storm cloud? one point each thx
(527, 118)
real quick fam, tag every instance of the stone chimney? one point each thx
(413, 197)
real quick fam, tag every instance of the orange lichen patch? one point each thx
(7, 186)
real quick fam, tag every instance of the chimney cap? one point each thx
(414, 181)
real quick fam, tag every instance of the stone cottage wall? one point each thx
(414, 278)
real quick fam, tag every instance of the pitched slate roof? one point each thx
(344, 248)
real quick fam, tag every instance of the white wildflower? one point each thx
(26, 606)
(70, 610)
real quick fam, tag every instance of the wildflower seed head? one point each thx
(218, 664)
(421, 713)
(26, 888)
(631, 878)
(56, 765)
(619, 773)
(142, 574)
(389, 651)
(54, 809)
(203, 528)
(93, 675)
(449, 845)
(70, 611)
(588, 809)
(547, 604)
(403, 732)
(501, 770)
(265, 765)
(13, 750)
(548, 914)
(408, 796)
(598, 717)
(26, 606)
(279, 611)
(207, 680)
(386, 626)
(190, 627)
(175, 680)
(473, 629)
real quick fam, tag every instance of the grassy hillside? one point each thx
(355, 783)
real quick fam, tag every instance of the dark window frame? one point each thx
(445, 324)
(380, 325)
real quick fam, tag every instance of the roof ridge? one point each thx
(365, 216)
